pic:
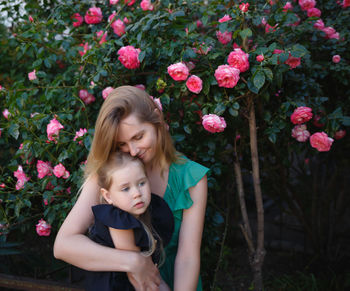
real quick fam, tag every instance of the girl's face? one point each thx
(130, 189)
(137, 138)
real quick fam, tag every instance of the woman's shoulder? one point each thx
(183, 166)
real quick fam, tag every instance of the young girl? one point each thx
(124, 220)
(130, 121)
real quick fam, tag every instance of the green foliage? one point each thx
(169, 34)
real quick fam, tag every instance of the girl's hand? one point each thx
(145, 275)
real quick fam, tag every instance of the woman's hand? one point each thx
(144, 275)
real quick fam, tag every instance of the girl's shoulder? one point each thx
(114, 217)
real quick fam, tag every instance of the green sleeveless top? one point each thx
(182, 176)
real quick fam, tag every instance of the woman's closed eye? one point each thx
(139, 136)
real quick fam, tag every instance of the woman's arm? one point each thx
(187, 263)
(74, 247)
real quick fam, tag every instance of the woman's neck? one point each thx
(158, 179)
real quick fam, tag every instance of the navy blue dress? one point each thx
(106, 216)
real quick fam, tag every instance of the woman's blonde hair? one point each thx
(120, 103)
(118, 160)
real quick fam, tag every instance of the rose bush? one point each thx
(206, 62)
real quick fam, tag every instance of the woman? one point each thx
(131, 122)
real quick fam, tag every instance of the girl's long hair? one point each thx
(120, 103)
(119, 160)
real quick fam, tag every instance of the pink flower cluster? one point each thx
(53, 130)
(318, 140)
(101, 35)
(330, 32)
(43, 228)
(227, 76)
(244, 7)
(21, 177)
(238, 59)
(77, 19)
(106, 91)
(225, 18)
(44, 169)
(60, 171)
(85, 47)
(87, 97)
(32, 76)
(93, 15)
(129, 57)
(224, 37)
(81, 132)
(117, 25)
(213, 123)
(179, 72)
(146, 5)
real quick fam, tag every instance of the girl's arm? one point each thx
(124, 239)
(74, 247)
(187, 263)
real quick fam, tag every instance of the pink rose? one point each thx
(329, 31)
(287, 6)
(333, 36)
(81, 132)
(313, 12)
(300, 133)
(146, 5)
(118, 27)
(178, 71)
(225, 18)
(93, 15)
(269, 28)
(336, 59)
(340, 134)
(87, 97)
(301, 115)
(113, 2)
(260, 58)
(307, 4)
(129, 2)
(213, 123)
(140, 86)
(293, 62)
(101, 35)
(53, 129)
(226, 76)
(319, 24)
(106, 92)
(77, 19)
(44, 169)
(32, 76)
(194, 84)
(86, 47)
(129, 57)
(21, 177)
(239, 60)
(6, 113)
(321, 141)
(224, 37)
(59, 170)
(346, 3)
(316, 121)
(126, 20)
(244, 7)
(31, 19)
(43, 228)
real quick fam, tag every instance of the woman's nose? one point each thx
(133, 150)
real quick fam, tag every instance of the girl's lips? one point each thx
(139, 205)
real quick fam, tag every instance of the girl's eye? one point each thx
(126, 189)
(142, 183)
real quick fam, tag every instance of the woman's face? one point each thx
(137, 138)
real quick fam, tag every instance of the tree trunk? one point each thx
(257, 259)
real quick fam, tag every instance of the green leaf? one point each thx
(233, 112)
(187, 129)
(220, 109)
(223, 26)
(14, 130)
(298, 51)
(346, 120)
(268, 74)
(272, 137)
(142, 55)
(47, 63)
(259, 79)
(37, 63)
(235, 105)
(246, 33)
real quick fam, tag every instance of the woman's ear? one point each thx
(106, 195)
